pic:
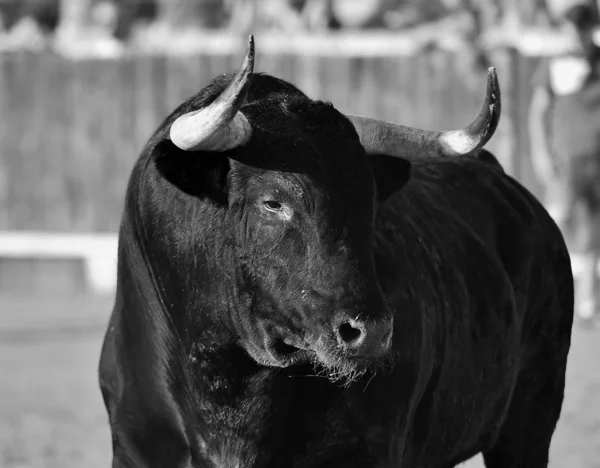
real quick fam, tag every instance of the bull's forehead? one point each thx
(297, 131)
(302, 168)
(292, 184)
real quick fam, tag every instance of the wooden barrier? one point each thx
(97, 254)
(70, 131)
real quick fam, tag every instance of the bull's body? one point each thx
(473, 269)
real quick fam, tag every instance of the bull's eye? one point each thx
(272, 205)
(278, 210)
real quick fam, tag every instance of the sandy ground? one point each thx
(51, 412)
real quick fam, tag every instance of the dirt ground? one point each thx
(51, 412)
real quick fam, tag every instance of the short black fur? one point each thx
(220, 350)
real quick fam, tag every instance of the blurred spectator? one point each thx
(25, 35)
(44, 12)
(178, 27)
(28, 24)
(280, 15)
(565, 143)
(86, 28)
(130, 12)
(318, 15)
(254, 15)
(360, 15)
(73, 28)
(204, 14)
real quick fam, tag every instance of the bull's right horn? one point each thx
(379, 136)
(219, 126)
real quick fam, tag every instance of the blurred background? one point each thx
(84, 83)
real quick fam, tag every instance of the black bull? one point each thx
(293, 292)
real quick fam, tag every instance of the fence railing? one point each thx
(71, 130)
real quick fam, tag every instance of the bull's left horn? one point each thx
(378, 136)
(219, 126)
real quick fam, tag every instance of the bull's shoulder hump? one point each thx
(487, 157)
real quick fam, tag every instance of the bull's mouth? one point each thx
(326, 362)
(289, 354)
(284, 349)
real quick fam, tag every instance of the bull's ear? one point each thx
(391, 173)
(198, 173)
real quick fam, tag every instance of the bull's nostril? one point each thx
(348, 333)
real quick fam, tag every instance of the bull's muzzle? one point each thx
(364, 338)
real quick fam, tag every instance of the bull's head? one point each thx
(294, 186)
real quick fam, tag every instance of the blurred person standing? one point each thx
(565, 142)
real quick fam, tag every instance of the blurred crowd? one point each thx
(109, 27)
